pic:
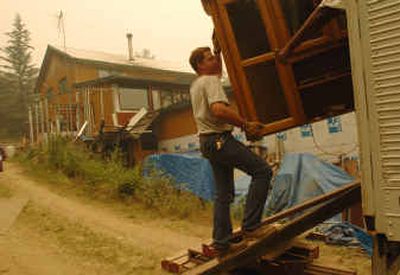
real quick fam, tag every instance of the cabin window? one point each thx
(185, 96)
(167, 98)
(62, 86)
(176, 97)
(132, 99)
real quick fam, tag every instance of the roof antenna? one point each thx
(61, 28)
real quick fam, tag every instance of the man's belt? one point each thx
(226, 133)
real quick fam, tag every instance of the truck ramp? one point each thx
(275, 241)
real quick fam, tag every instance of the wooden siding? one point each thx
(179, 123)
(139, 153)
(84, 72)
(95, 102)
(175, 124)
(124, 118)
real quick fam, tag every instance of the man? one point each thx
(215, 119)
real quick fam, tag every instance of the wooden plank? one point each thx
(293, 99)
(269, 24)
(183, 260)
(313, 47)
(227, 53)
(285, 71)
(243, 94)
(307, 250)
(328, 78)
(280, 25)
(277, 250)
(386, 255)
(291, 229)
(258, 59)
(277, 126)
(307, 204)
(316, 19)
(310, 203)
(296, 248)
(316, 236)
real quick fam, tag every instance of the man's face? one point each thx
(211, 64)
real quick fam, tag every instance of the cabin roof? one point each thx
(147, 69)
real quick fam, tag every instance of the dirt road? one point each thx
(58, 233)
(47, 229)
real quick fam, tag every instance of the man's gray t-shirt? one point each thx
(206, 90)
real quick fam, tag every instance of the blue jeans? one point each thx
(224, 158)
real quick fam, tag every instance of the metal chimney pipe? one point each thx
(130, 47)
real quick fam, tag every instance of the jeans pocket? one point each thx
(207, 147)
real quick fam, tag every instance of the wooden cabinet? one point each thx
(288, 62)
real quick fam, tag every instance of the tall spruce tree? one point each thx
(17, 78)
(17, 56)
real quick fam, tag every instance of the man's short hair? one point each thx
(197, 56)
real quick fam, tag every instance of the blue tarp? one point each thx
(346, 233)
(191, 171)
(301, 177)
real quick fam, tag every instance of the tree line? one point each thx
(17, 80)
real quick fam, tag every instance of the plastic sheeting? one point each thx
(301, 177)
(347, 234)
(192, 172)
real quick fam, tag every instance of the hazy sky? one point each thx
(169, 28)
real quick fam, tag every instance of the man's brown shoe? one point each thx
(219, 251)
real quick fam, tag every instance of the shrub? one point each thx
(109, 178)
(159, 191)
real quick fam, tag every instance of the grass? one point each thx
(351, 258)
(106, 253)
(71, 166)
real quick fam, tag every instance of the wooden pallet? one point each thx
(189, 260)
(184, 261)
